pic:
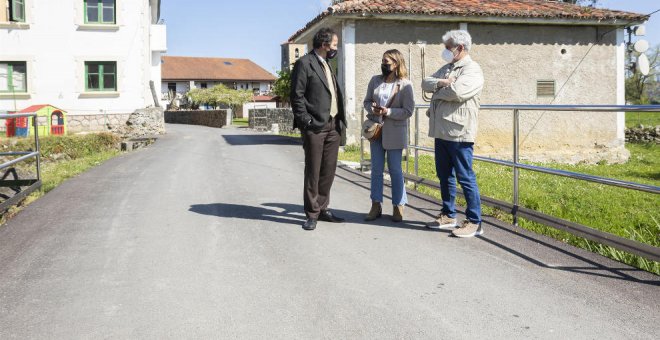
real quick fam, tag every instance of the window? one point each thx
(171, 87)
(203, 85)
(99, 11)
(13, 76)
(17, 10)
(545, 88)
(101, 76)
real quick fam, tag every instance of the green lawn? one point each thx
(634, 119)
(240, 122)
(630, 214)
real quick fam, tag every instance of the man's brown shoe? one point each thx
(442, 221)
(375, 212)
(468, 229)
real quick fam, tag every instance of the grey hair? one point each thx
(458, 37)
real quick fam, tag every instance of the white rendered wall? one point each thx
(56, 45)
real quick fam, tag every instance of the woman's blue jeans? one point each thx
(454, 160)
(396, 173)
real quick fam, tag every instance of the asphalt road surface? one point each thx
(199, 236)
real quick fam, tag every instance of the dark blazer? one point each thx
(311, 97)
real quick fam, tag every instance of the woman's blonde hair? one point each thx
(401, 71)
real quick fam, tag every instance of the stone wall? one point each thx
(212, 118)
(263, 119)
(643, 134)
(95, 122)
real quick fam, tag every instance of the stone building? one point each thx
(531, 51)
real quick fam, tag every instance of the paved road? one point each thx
(199, 236)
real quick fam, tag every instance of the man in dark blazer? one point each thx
(318, 110)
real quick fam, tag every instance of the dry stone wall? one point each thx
(212, 118)
(263, 119)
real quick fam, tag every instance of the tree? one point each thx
(282, 86)
(221, 95)
(637, 85)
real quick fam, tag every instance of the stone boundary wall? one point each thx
(95, 122)
(211, 118)
(263, 119)
(643, 134)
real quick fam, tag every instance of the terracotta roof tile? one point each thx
(194, 68)
(474, 8)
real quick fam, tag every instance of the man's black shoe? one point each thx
(327, 216)
(310, 224)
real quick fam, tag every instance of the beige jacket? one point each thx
(454, 110)
(395, 123)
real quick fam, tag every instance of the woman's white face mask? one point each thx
(448, 55)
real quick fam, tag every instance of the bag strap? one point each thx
(396, 90)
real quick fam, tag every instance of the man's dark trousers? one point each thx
(321, 151)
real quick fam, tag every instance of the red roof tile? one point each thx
(541, 9)
(264, 98)
(35, 108)
(193, 68)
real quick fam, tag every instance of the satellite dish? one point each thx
(640, 30)
(643, 64)
(641, 46)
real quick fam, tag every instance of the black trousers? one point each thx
(321, 150)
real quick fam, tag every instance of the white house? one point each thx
(181, 74)
(92, 58)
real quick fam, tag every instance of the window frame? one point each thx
(101, 75)
(99, 21)
(10, 77)
(12, 10)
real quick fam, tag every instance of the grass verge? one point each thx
(631, 214)
(634, 119)
(240, 122)
(62, 158)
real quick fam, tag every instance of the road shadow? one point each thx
(591, 263)
(285, 213)
(354, 217)
(247, 212)
(257, 139)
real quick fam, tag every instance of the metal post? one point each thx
(516, 170)
(361, 142)
(416, 144)
(36, 145)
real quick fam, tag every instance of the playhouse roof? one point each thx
(35, 108)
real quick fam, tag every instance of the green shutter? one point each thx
(14, 72)
(100, 11)
(17, 10)
(103, 76)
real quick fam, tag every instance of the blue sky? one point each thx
(254, 29)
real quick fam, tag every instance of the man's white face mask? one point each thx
(448, 55)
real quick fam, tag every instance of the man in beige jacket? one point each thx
(453, 114)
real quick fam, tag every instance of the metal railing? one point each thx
(16, 184)
(641, 249)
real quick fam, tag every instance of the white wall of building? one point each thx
(259, 105)
(182, 87)
(55, 43)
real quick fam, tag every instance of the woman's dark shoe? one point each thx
(375, 212)
(397, 214)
